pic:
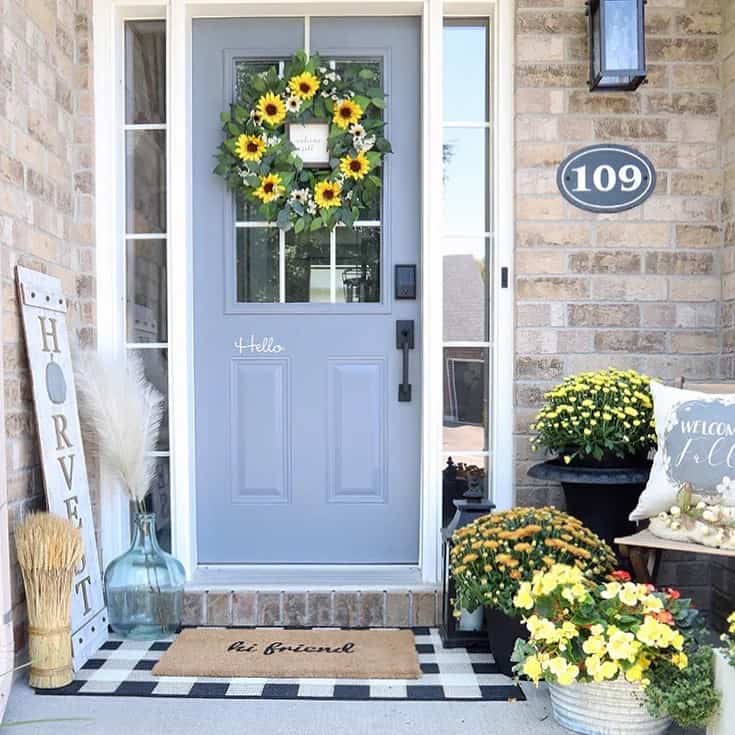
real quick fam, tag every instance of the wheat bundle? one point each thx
(49, 550)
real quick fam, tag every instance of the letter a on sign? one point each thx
(62, 455)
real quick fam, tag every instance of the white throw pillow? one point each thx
(696, 444)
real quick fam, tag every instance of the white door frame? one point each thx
(109, 16)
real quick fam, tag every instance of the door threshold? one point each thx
(224, 577)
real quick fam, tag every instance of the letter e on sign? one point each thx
(606, 178)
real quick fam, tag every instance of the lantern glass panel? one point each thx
(621, 35)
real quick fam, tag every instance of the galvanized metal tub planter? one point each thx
(608, 708)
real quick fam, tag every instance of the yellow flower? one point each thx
(680, 660)
(304, 85)
(346, 112)
(524, 598)
(532, 668)
(611, 590)
(594, 645)
(270, 188)
(271, 109)
(355, 167)
(564, 672)
(634, 673)
(469, 558)
(327, 194)
(629, 594)
(622, 645)
(250, 147)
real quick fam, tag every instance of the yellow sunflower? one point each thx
(271, 109)
(355, 168)
(327, 194)
(270, 188)
(250, 147)
(346, 113)
(304, 85)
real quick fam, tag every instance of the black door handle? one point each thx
(404, 342)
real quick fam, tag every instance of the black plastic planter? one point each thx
(502, 632)
(601, 497)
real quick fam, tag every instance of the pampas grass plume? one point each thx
(121, 416)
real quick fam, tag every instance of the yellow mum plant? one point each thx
(729, 639)
(491, 557)
(586, 631)
(597, 414)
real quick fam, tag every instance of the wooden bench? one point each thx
(643, 550)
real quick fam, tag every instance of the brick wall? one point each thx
(728, 194)
(46, 204)
(637, 289)
(723, 572)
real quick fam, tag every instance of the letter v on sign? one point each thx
(43, 308)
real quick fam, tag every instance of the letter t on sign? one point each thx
(43, 307)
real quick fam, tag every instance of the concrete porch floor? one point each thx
(128, 716)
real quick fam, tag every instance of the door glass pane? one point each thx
(145, 71)
(466, 293)
(246, 69)
(155, 367)
(256, 269)
(465, 72)
(307, 267)
(465, 399)
(246, 211)
(465, 177)
(146, 318)
(463, 472)
(145, 176)
(358, 265)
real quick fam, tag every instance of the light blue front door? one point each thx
(304, 453)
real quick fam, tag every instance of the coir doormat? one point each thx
(124, 668)
(275, 654)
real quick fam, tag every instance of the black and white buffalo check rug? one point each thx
(122, 668)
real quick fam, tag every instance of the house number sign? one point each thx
(43, 306)
(606, 178)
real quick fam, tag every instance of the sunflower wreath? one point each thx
(260, 164)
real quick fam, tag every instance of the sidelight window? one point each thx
(466, 245)
(146, 256)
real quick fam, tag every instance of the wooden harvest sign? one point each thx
(43, 307)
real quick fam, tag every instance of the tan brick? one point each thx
(696, 183)
(555, 288)
(552, 234)
(540, 262)
(680, 263)
(539, 367)
(621, 340)
(551, 21)
(651, 234)
(698, 23)
(531, 154)
(700, 342)
(551, 75)
(696, 76)
(702, 288)
(614, 128)
(609, 261)
(531, 207)
(540, 48)
(630, 288)
(682, 103)
(603, 315)
(681, 49)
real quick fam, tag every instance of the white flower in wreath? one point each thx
(357, 132)
(348, 196)
(311, 206)
(293, 104)
(272, 140)
(365, 144)
(726, 490)
(300, 196)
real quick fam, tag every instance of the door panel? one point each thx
(303, 452)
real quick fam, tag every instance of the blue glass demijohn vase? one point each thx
(145, 586)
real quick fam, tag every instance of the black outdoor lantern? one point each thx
(617, 38)
(468, 508)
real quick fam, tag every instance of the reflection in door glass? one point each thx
(257, 264)
(145, 284)
(465, 398)
(307, 267)
(358, 265)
